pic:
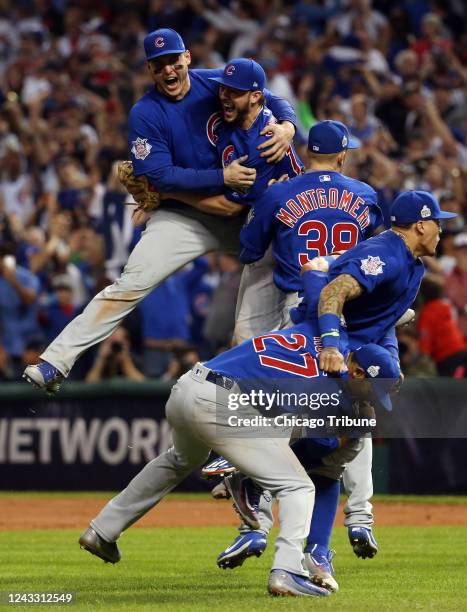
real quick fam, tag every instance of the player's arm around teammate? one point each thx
(159, 123)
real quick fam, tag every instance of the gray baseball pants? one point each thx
(334, 465)
(170, 241)
(198, 410)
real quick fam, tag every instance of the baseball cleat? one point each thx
(363, 542)
(406, 318)
(252, 543)
(44, 376)
(217, 467)
(321, 569)
(93, 543)
(283, 583)
(245, 496)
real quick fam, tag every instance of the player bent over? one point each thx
(198, 410)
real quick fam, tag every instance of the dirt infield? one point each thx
(22, 513)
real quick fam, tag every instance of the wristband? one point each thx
(329, 327)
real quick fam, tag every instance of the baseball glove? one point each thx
(142, 191)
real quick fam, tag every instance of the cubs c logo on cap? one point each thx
(159, 42)
(345, 142)
(230, 70)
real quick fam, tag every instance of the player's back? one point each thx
(390, 276)
(284, 354)
(315, 214)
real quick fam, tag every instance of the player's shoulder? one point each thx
(385, 245)
(357, 186)
(204, 74)
(147, 105)
(201, 77)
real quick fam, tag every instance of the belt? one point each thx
(220, 380)
(201, 371)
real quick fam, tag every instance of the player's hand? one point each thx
(331, 360)
(238, 177)
(139, 216)
(281, 179)
(276, 147)
(317, 264)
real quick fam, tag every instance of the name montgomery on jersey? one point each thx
(313, 199)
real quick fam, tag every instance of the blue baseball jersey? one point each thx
(314, 214)
(173, 143)
(313, 283)
(234, 142)
(283, 361)
(391, 277)
(288, 353)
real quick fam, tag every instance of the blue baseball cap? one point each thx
(243, 74)
(164, 41)
(413, 206)
(327, 137)
(382, 368)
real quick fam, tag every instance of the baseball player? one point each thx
(372, 285)
(314, 214)
(200, 410)
(172, 140)
(324, 459)
(240, 136)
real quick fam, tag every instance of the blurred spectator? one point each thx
(363, 124)
(16, 184)
(59, 310)
(182, 361)
(439, 335)
(19, 290)
(114, 359)
(165, 314)
(434, 37)
(447, 251)
(456, 282)
(219, 325)
(413, 361)
(360, 14)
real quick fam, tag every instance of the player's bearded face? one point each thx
(236, 104)
(170, 74)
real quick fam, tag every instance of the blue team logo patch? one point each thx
(141, 148)
(228, 155)
(324, 178)
(372, 265)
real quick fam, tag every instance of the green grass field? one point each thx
(174, 569)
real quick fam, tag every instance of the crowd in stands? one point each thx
(71, 70)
